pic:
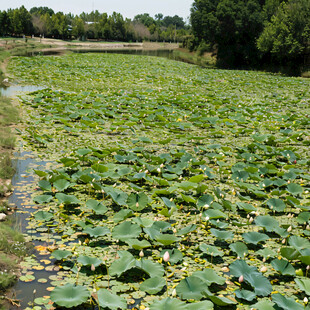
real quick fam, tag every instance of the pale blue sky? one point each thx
(128, 8)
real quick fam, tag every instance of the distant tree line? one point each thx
(43, 21)
(253, 32)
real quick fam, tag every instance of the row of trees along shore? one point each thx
(253, 33)
(43, 21)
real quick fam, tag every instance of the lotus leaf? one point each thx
(176, 256)
(275, 204)
(166, 239)
(121, 265)
(303, 284)
(283, 266)
(221, 234)
(88, 261)
(209, 276)
(254, 237)
(43, 199)
(96, 206)
(137, 202)
(260, 284)
(45, 185)
(186, 230)
(98, 231)
(151, 268)
(201, 305)
(125, 231)
(286, 303)
(153, 285)
(245, 294)
(109, 300)
(210, 250)
(61, 184)
(138, 244)
(168, 303)
(239, 248)
(70, 295)
(294, 189)
(67, 199)
(43, 216)
(60, 254)
(191, 288)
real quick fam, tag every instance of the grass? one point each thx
(206, 60)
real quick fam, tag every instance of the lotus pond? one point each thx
(171, 187)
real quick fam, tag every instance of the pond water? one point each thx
(14, 90)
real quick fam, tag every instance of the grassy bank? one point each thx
(205, 60)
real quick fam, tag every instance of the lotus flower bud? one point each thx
(34, 291)
(289, 229)
(263, 269)
(166, 257)
(92, 268)
(283, 241)
(305, 300)
(141, 254)
(251, 220)
(137, 204)
(241, 279)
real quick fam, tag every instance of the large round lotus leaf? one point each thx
(239, 248)
(254, 237)
(43, 216)
(137, 202)
(294, 189)
(166, 239)
(138, 244)
(121, 265)
(210, 250)
(67, 199)
(168, 303)
(286, 303)
(192, 288)
(245, 294)
(126, 230)
(61, 184)
(175, 255)
(153, 285)
(186, 230)
(204, 201)
(96, 206)
(276, 204)
(97, 231)
(267, 222)
(43, 199)
(283, 266)
(304, 285)
(45, 185)
(201, 305)
(153, 269)
(88, 261)
(60, 254)
(109, 300)
(299, 243)
(70, 295)
(221, 234)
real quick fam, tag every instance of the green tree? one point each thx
(286, 38)
(78, 27)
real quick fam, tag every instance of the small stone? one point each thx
(2, 216)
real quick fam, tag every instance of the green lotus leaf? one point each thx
(264, 305)
(210, 250)
(209, 276)
(294, 189)
(60, 254)
(42, 199)
(260, 284)
(96, 206)
(303, 217)
(118, 196)
(83, 152)
(186, 230)
(240, 176)
(106, 299)
(45, 185)
(168, 303)
(137, 202)
(213, 214)
(70, 295)
(170, 204)
(283, 266)
(286, 303)
(201, 305)
(121, 265)
(188, 198)
(267, 222)
(67, 199)
(246, 206)
(275, 204)
(222, 301)
(151, 268)
(88, 261)
(303, 284)
(197, 178)
(176, 255)
(98, 231)
(153, 285)
(204, 201)
(245, 294)
(43, 216)
(239, 248)
(254, 237)
(122, 215)
(299, 243)
(138, 244)
(266, 253)
(61, 184)
(290, 253)
(221, 234)
(186, 185)
(191, 288)
(125, 231)
(166, 239)
(143, 221)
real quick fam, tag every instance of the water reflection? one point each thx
(14, 90)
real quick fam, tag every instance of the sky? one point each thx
(128, 8)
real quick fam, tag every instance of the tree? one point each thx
(229, 27)
(287, 36)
